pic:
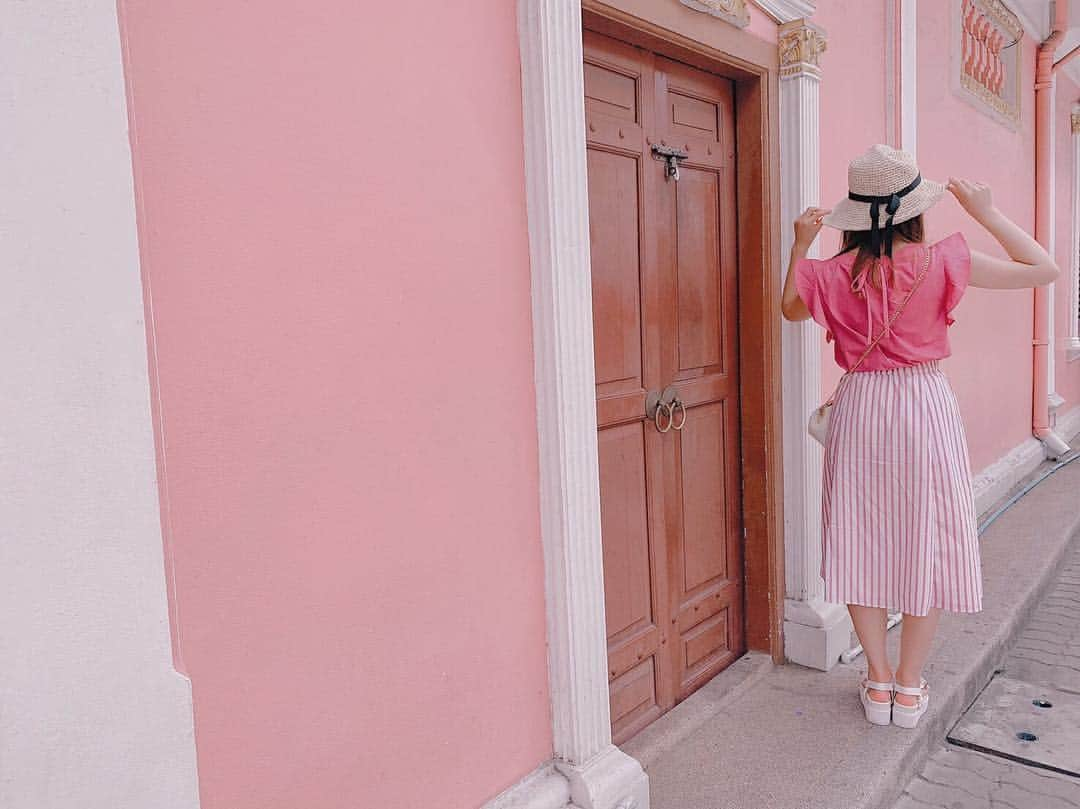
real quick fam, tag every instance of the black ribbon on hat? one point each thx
(892, 205)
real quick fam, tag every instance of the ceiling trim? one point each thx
(787, 10)
(1073, 70)
(1034, 15)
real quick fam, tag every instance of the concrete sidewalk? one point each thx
(761, 736)
(1047, 654)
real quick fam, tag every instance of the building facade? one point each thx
(399, 411)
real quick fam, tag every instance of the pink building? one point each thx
(336, 332)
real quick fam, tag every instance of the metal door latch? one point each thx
(671, 157)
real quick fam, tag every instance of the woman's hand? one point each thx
(807, 226)
(975, 198)
(1029, 265)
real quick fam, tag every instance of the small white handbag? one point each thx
(818, 425)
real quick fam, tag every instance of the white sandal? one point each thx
(907, 716)
(877, 713)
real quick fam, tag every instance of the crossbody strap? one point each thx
(888, 328)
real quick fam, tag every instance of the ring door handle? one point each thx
(670, 397)
(654, 407)
(678, 405)
(663, 407)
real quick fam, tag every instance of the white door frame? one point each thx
(601, 776)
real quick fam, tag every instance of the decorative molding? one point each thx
(986, 70)
(1075, 121)
(801, 44)
(735, 12)
(599, 775)
(787, 10)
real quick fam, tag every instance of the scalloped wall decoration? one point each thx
(989, 48)
(735, 12)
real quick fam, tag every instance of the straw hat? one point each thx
(882, 178)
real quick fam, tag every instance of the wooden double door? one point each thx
(664, 289)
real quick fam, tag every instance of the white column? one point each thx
(815, 633)
(1054, 400)
(1073, 341)
(601, 776)
(92, 713)
(907, 73)
(901, 57)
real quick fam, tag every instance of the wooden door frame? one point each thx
(599, 775)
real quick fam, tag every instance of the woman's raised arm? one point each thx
(1030, 264)
(807, 226)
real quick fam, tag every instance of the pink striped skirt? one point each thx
(898, 514)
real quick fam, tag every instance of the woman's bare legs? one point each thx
(870, 627)
(915, 640)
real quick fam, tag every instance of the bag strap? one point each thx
(886, 329)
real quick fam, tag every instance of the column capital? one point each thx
(801, 44)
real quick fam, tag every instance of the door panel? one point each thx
(616, 288)
(699, 302)
(623, 511)
(704, 540)
(664, 286)
(704, 499)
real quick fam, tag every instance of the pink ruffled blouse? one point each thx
(853, 311)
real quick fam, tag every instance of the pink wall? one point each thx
(762, 25)
(991, 364)
(1067, 373)
(332, 222)
(852, 111)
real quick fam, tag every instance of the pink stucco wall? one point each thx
(762, 25)
(853, 114)
(332, 223)
(1067, 373)
(991, 364)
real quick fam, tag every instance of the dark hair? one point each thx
(911, 230)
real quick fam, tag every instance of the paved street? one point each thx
(1047, 653)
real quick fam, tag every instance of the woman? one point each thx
(898, 514)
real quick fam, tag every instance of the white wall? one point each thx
(92, 713)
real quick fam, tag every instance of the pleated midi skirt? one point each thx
(899, 524)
